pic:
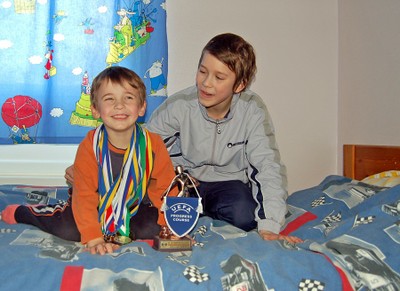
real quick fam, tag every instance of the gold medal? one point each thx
(122, 240)
(117, 239)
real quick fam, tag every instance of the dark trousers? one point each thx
(57, 219)
(231, 201)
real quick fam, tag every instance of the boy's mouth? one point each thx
(120, 116)
(205, 94)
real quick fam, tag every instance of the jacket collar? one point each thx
(227, 117)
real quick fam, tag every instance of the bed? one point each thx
(349, 223)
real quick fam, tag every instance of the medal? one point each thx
(117, 239)
(121, 240)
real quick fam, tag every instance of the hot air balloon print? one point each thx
(21, 113)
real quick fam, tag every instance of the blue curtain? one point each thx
(52, 49)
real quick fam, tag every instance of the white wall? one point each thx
(369, 72)
(297, 48)
(297, 51)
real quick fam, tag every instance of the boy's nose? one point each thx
(207, 81)
(119, 104)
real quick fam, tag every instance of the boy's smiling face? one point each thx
(118, 106)
(215, 83)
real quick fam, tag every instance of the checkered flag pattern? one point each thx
(333, 218)
(201, 230)
(318, 202)
(193, 274)
(311, 285)
(364, 220)
(198, 244)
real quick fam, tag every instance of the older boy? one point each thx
(222, 134)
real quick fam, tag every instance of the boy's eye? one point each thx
(220, 78)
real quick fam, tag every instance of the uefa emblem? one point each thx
(182, 212)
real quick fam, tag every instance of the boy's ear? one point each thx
(240, 87)
(142, 110)
(95, 113)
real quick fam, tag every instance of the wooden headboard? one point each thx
(360, 161)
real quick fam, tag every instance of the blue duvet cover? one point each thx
(351, 235)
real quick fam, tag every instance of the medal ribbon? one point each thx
(120, 199)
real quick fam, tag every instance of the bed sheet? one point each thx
(355, 225)
(335, 218)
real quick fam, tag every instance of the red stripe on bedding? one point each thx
(298, 222)
(345, 282)
(346, 286)
(72, 278)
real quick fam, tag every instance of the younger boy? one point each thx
(121, 171)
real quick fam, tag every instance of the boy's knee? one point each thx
(245, 223)
(68, 233)
(240, 215)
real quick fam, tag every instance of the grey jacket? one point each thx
(241, 147)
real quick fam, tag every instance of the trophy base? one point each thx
(172, 245)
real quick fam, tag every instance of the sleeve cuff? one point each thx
(269, 225)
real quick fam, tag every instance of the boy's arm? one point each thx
(85, 198)
(163, 121)
(266, 171)
(161, 177)
(166, 121)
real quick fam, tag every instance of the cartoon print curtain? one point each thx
(50, 51)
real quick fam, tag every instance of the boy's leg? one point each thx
(231, 201)
(55, 219)
(143, 224)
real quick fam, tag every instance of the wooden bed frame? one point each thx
(361, 161)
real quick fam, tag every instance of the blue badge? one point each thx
(181, 214)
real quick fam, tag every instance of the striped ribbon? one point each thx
(120, 198)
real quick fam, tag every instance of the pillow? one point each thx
(384, 179)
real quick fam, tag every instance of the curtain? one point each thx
(52, 49)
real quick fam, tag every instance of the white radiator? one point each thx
(35, 164)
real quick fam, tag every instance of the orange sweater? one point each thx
(86, 198)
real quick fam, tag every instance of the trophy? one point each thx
(181, 214)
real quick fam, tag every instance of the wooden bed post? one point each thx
(349, 160)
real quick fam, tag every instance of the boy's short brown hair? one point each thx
(236, 53)
(118, 75)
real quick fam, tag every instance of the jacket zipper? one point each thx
(218, 127)
(218, 131)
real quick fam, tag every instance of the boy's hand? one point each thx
(99, 246)
(69, 174)
(269, 235)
